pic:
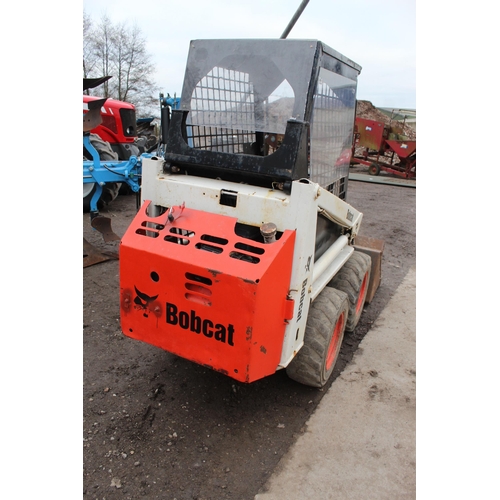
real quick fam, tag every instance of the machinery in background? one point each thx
(118, 137)
(384, 147)
(112, 160)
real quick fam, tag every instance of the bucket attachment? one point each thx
(91, 255)
(375, 249)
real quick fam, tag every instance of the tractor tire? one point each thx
(323, 337)
(374, 169)
(111, 190)
(353, 279)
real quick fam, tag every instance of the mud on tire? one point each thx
(353, 279)
(325, 327)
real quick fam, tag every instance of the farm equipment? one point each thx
(113, 153)
(117, 136)
(150, 129)
(384, 148)
(103, 173)
(112, 134)
(241, 257)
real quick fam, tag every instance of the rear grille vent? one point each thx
(215, 245)
(181, 236)
(208, 248)
(149, 234)
(199, 279)
(249, 248)
(214, 239)
(244, 257)
(198, 290)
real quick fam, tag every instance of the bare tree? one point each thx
(102, 42)
(120, 51)
(89, 59)
(133, 67)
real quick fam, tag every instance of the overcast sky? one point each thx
(379, 35)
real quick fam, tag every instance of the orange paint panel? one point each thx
(196, 289)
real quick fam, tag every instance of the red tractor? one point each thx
(118, 127)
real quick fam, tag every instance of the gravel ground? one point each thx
(157, 426)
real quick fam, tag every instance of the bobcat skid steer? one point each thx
(241, 256)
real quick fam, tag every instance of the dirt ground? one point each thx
(157, 426)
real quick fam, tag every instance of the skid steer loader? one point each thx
(241, 256)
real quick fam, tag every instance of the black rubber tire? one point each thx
(110, 190)
(315, 361)
(374, 169)
(86, 199)
(353, 279)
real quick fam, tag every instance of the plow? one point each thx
(112, 160)
(102, 174)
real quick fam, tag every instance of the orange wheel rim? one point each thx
(362, 294)
(334, 346)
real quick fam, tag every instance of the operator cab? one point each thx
(265, 112)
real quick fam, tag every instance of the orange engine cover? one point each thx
(195, 288)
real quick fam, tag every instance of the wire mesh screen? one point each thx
(332, 131)
(222, 116)
(241, 94)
